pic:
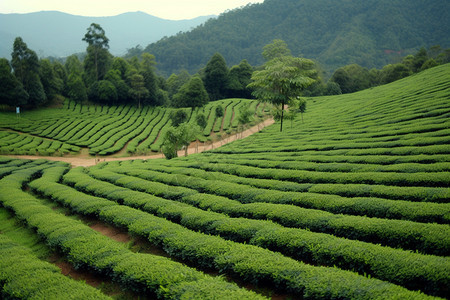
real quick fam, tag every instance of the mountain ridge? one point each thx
(59, 34)
(333, 32)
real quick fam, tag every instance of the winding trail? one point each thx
(84, 160)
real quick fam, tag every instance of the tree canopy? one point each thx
(282, 79)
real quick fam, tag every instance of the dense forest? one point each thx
(217, 60)
(99, 77)
(370, 33)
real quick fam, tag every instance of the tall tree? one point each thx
(76, 90)
(277, 48)
(191, 94)
(216, 77)
(175, 82)
(352, 78)
(98, 57)
(283, 79)
(53, 85)
(239, 78)
(26, 69)
(150, 81)
(138, 91)
(11, 90)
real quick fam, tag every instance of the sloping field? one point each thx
(351, 204)
(108, 130)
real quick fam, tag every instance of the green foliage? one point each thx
(104, 92)
(278, 48)
(283, 79)
(176, 138)
(76, 90)
(341, 34)
(352, 203)
(351, 78)
(201, 120)
(11, 90)
(179, 116)
(138, 90)
(26, 69)
(216, 77)
(142, 273)
(238, 80)
(191, 94)
(219, 111)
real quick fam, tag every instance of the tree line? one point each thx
(99, 77)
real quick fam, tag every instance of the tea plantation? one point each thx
(107, 130)
(352, 203)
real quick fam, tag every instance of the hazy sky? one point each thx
(166, 9)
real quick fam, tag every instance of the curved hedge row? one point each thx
(85, 247)
(210, 251)
(428, 274)
(104, 130)
(395, 233)
(24, 276)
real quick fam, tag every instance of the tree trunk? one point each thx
(282, 116)
(96, 65)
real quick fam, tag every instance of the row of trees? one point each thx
(352, 78)
(102, 78)
(99, 77)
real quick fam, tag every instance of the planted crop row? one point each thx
(104, 130)
(250, 262)
(229, 112)
(211, 119)
(157, 144)
(151, 121)
(331, 166)
(85, 247)
(146, 144)
(23, 144)
(24, 276)
(428, 238)
(318, 248)
(358, 184)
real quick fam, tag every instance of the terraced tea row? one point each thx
(351, 204)
(107, 130)
(209, 251)
(145, 273)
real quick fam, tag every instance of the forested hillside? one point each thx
(334, 32)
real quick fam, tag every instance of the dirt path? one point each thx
(82, 160)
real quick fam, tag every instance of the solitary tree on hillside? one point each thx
(283, 79)
(178, 137)
(277, 48)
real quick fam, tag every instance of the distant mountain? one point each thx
(371, 33)
(52, 33)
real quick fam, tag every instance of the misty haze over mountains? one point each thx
(53, 33)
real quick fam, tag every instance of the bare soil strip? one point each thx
(82, 160)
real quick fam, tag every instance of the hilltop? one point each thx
(53, 33)
(334, 32)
